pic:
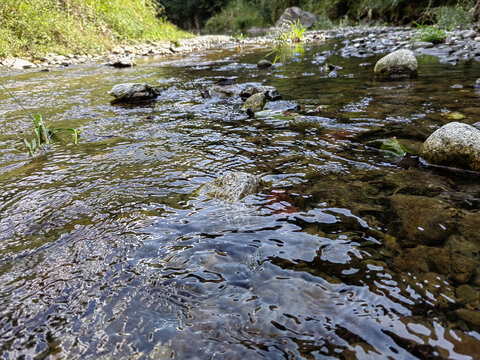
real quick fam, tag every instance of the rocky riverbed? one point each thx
(362, 42)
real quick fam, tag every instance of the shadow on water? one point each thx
(107, 250)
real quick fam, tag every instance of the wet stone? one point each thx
(455, 144)
(133, 92)
(233, 186)
(466, 293)
(282, 105)
(456, 267)
(264, 64)
(470, 227)
(425, 221)
(254, 103)
(398, 64)
(469, 316)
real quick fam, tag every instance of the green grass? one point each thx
(430, 33)
(35, 27)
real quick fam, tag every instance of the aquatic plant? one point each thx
(43, 135)
(393, 145)
(282, 44)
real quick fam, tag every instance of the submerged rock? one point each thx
(426, 221)
(398, 64)
(254, 103)
(232, 186)
(454, 144)
(264, 64)
(294, 14)
(133, 92)
(456, 267)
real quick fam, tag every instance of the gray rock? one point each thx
(17, 64)
(476, 84)
(421, 44)
(224, 90)
(399, 64)
(233, 186)
(454, 144)
(293, 14)
(468, 34)
(122, 63)
(256, 102)
(270, 92)
(282, 105)
(133, 92)
(264, 64)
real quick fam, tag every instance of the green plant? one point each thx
(429, 33)
(451, 17)
(393, 145)
(43, 135)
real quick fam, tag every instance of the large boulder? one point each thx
(396, 65)
(294, 14)
(133, 92)
(224, 88)
(17, 64)
(454, 144)
(233, 186)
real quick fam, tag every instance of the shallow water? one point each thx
(107, 250)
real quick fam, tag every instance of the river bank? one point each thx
(462, 45)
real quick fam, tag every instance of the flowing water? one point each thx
(108, 250)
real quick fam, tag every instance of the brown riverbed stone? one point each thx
(470, 227)
(426, 221)
(456, 267)
(470, 316)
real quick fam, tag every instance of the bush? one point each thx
(451, 17)
(239, 15)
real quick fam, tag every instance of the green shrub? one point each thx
(238, 16)
(451, 17)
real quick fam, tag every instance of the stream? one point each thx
(109, 251)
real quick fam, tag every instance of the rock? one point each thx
(256, 102)
(470, 316)
(232, 186)
(270, 92)
(469, 227)
(398, 64)
(468, 34)
(264, 64)
(442, 261)
(454, 144)
(17, 64)
(421, 45)
(466, 294)
(426, 220)
(476, 84)
(122, 63)
(282, 105)
(224, 88)
(294, 14)
(133, 92)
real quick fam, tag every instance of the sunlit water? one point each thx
(107, 250)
